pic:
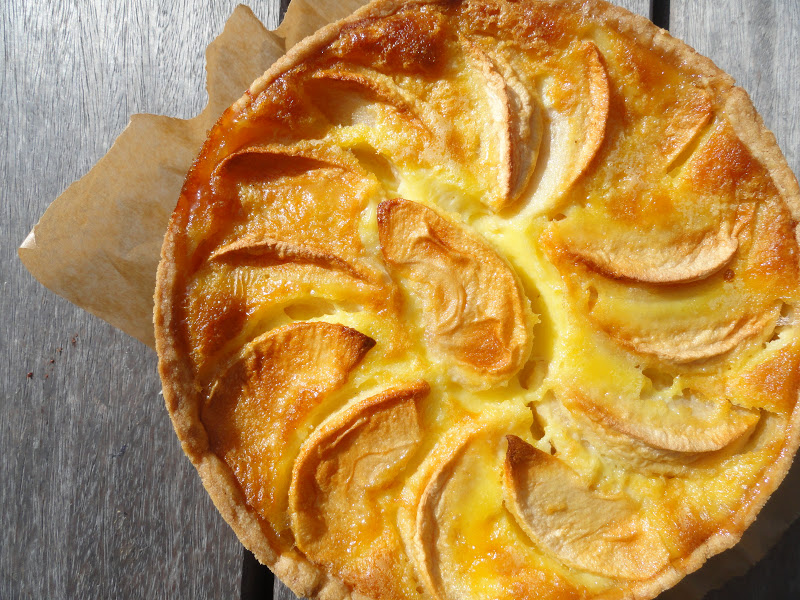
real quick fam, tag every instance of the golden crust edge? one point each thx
(299, 574)
(180, 396)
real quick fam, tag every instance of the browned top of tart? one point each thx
(485, 299)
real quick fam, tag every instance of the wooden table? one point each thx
(96, 498)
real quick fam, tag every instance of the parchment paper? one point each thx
(98, 244)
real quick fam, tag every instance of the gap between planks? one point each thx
(659, 13)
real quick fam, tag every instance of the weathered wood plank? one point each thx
(281, 592)
(640, 7)
(756, 42)
(98, 499)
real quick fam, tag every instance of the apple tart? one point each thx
(485, 299)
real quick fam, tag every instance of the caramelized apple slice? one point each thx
(771, 380)
(698, 343)
(369, 109)
(339, 480)
(434, 516)
(682, 229)
(677, 323)
(464, 542)
(678, 327)
(304, 195)
(241, 295)
(577, 103)
(685, 120)
(261, 408)
(685, 425)
(672, 257)
(428, 509)
(653, 130)
(515, 125)
(269, 252)
(502, 127)
(473, 309)
(291, 234)
(582, 528)
(351, 96)
(589, 129)
(374, 84)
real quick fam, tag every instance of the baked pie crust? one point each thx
(485, 299)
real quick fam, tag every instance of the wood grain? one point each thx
(97, 498)
(640, 7)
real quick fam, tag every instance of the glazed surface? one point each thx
(440, 225)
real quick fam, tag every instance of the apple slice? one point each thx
(588, 125)
(371, 111)
(515, 124)
(438, 470)
(473, 308)
(270, 252)
(678, 323)
(581, 527)
(651, 131)
(698, 342)
(576, 101)
(681, 229)
(343, 471)
(305, 195)
(661, 428)
(290, 235)
(674, 256)
(351, 95)
(503, 127)
(464, 542)
(261, 408)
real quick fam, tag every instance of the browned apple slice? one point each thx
(269, 252)
(262, 407)
(463, 540)
(515, 124)
(503, 128)
(675, 428)
(653, 129)
(575, 100)
(304, 195)
(681, 229)
(771, 380)
(375, 84)
(440, 464)
(624, 252)
(370, 111)
(589, 130)
(607, 535)
(339, 480)
(291, 236)
(241, 295)
(577, 127)
(473, 309)
(684, 120)
(699, 343)
(348, 101)
(677, 323)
